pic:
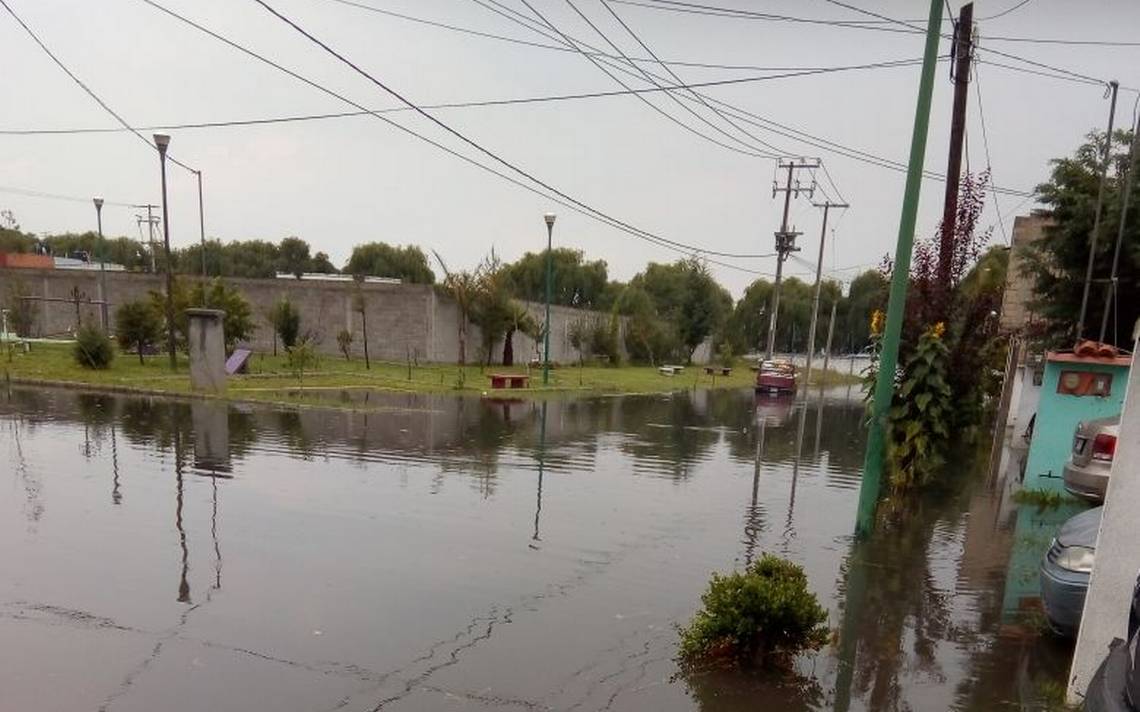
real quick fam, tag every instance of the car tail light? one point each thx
(1104, 447)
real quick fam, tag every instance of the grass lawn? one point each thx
(270, 379)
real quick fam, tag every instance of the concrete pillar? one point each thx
(211, 435)
(207, 350)
(1117, 556)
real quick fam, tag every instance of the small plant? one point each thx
(1041, 498)
(287, 323)
(765, 614)
(137, 326)
(344, 343)
(302, 357)
(725, 354)
(93, 348)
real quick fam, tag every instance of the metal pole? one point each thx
(1120, 230)
(1114, 86)
(549, 217)
(102, 263)
(162, 142)
(202, 230)
(888, 359)
(827, 206)
(779, 265)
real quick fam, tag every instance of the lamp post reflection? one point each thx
(184, 582)
(116, 495)
(754, 514)
(789, 529)
(541, 467)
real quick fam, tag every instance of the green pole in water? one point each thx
(888, 359)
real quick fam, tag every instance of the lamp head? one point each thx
(98, 203)
(162, 141)
(549, 218)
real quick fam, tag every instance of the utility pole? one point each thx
(1114, 87)
(827, 205)
(151, 222)
(888, 358)
(961, 76)
(830, 333)
(202, 231)
(785, 239)
(1112, 285)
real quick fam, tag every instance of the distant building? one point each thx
(1016, 309)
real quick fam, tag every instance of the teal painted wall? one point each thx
(1057, 418)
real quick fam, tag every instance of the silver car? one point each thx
(1094, 445)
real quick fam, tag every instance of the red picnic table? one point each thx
(509, 380)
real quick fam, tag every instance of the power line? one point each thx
(1007, 11)
(556, 47)
(59, 63)
(752, 118)
(679, 81)
(467, 140)
(601, 217)
(750, 151)
(989, 162)
(28, 192)
(454, 105)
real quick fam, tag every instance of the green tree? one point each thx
(575, 282)
(138, 326)
(93, 348)
(379, 259)
(686, 295)
(1058, 261)
(237, 324)
(868, 293)
(293, 257)
(286, 320)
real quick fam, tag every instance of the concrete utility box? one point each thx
(1073, 388)
(207, 350)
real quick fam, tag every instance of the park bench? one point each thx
(670, 370)
(718, 370)
(509, 380)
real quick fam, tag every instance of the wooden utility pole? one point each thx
(785, 239)
(827, 205)
(1114, 88)
(961, 74)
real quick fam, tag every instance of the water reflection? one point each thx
(391, 542)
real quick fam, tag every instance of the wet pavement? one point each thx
(445, 553)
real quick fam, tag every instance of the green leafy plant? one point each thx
(302, 357)
(918, 421)
(237, 324)
(286, 321)
(93, 348)
(1042, 498)
(21, 311)
(138, 326)
(765, 613)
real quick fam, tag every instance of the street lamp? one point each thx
(102, 261)
(161, 142)
(549, 217)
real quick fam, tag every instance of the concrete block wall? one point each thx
(403, 319)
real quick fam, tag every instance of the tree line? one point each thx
(672, 308)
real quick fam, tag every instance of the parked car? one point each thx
(1065, 571)
(1094, 446)
(776, 376)
(1116, 685)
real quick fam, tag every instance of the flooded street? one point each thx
(441, 553)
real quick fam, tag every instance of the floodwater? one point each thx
(441, 553)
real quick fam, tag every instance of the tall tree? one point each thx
(379, 259)
(575, 282)
(1058, 261)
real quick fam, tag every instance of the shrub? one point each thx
(93, 348)
(286, 322)
(137, 326)
(764, 614)
(21, 312)
(302, 357)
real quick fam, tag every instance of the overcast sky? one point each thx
(339, 182)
